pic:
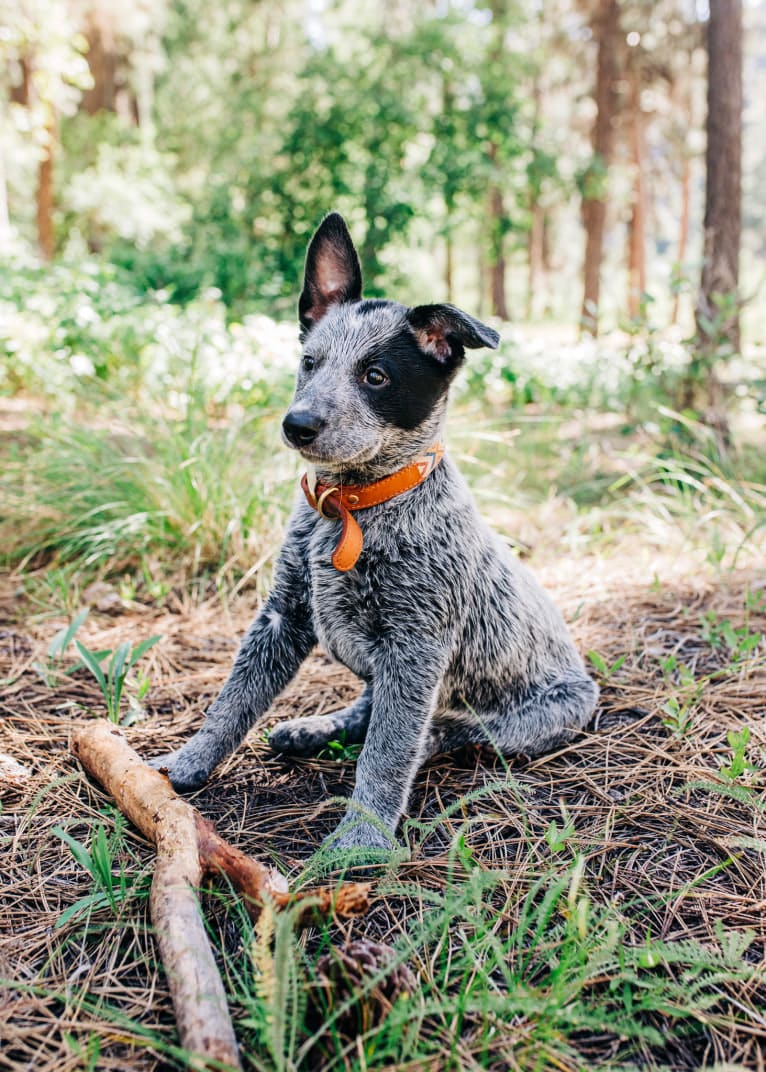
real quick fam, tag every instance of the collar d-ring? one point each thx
(321, 501)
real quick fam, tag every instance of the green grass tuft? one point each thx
(188, 492)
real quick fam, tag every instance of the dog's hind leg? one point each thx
(307, 736)
(539, 721)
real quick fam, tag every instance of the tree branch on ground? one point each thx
(188, 848)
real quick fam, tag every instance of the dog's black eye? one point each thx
(308, 362)
(375, 377)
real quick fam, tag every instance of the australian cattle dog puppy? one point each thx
(388, 565)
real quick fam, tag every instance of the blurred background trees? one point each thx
(528, 158)
(164, 163)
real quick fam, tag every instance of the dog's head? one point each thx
(374, 376)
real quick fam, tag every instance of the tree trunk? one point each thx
(497, 268)
(637, 227)
(683, 229)
(535, 239)
(718, 302)
(723, 160)
(481, 274)
(102, 60)
(499, 9)
(547, 242)
(606, 29)
(45, 235)
(536, 212)
(24, 94)
(449, 257)
(496, 247)
(5, 220)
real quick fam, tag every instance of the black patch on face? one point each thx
(417, 382)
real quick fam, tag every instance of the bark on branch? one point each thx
(188, 848)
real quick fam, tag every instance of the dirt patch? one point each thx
(657, 822)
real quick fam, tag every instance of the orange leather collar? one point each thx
(337, 502)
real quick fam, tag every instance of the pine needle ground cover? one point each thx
(599, 907)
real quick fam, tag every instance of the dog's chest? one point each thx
(349, 608)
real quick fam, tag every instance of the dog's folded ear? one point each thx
(332, 272)
(444, 332)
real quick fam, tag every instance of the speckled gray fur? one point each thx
(454, 638)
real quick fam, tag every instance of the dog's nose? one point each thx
(302, 428)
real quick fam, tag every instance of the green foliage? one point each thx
(88, 1053)
(100, 860)
(592, 181)
(127, 197)
(340, 751)
(171, 489)
(561, 966)
(112, 680)
(738, 643)
(82, 330)
(605, 670)
(58, 647)
(558, 837)
(738, 763)
(678, 709)
(335, 111)
(677, 716)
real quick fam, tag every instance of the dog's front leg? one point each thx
(276, 644)
(405, 689)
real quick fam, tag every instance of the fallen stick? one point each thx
(188, 847)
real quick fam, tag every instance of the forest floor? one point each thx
(602, 906)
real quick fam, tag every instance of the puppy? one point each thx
(388, 565)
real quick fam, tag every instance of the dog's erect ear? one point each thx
(332, 273)
(444, 332)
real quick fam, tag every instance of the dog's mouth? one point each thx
(332, 462)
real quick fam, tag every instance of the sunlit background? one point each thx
(196, 145)
(165, 163)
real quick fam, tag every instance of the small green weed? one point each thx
(57, 647)
(100, 861)
(603, 668)
(558, 837)
(156, 587)
(739, 643)
(112, 682)
(738, 764)
(679, 707)
(57, 589)
(340, 751)
(755, 600)
(677, 716)
(717, 548)
(87, 1052)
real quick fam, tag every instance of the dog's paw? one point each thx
(302, 736)
(361, 847)
(186, 772)
(356, 841)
